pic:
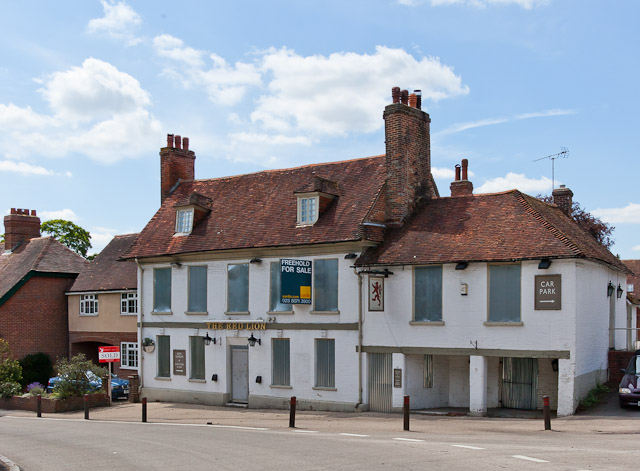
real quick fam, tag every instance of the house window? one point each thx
(129, 303)
(164, 356)
(184, 221)
(428, 371)
(280, 362)
(504, 293)
(630, 288)
(89, 305)
(274, 292)
(162, 289)
(427, 294)
(197, 289)
(238, 286)
(325, 285)
(129, 355)
(307, 210)
(325, 363)
(196, 347)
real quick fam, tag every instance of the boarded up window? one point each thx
(504, 293)
(325, 363)
(280, 362)
(238, 278)
(196, 347)
(427, 291)
(162, 289)
(164, 356)
(197, 289)
(325, 285)
(275, 290)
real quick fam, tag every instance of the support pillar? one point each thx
(478, 386)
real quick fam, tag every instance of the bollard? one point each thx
(405, 410)
(547, 413)
(292, 412)
(86, 406)
(39, 405)
(144, 409)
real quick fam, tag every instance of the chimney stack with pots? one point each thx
(408, 155)
(20, 226)
(177, 163)
(563, 199)
(462, 186)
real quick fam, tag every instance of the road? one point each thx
(68, 444)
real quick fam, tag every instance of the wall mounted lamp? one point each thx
(544, 264)
(176, 264)
(620, 291)
(252, 341)
(461, 265)
(610, 289)
(207, 339)
(350, 256)
(255, 260)
(554, 364)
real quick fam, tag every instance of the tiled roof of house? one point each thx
(487, 227)
(43, 255)
(634, 279)
(107, 271)
(260, 210)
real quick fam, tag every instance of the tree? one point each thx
(68, 233)
(10, 371)
(599, 230)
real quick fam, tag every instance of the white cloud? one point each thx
(636, 247)
(526, 4)
(446, 173)
(27, 169)
(459, 127)
(119, 22)
(100, 238)
(630, 214)
(518, 181)
(66, 214)
(96, 110)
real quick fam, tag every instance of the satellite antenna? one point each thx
(562, 154)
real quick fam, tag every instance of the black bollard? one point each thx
(86, 406)
(39, 405)
(405, 410)
(547, 412)
(144, 409)
(292, 412)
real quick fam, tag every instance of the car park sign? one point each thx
(108, 354)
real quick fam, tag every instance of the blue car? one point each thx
(119, 387)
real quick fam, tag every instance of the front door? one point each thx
(239, 373)
(380, 382)
(520, 383)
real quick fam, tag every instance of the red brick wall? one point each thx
(88, 343)
(35, 319)
(175, 164)
(617, 360)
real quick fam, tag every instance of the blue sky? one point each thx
(89, 90)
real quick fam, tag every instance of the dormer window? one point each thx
(307, 210)
(184, 221)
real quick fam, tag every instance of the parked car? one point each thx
(629, 388)
(119, 386)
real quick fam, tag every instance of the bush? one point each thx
(594, 397)
(9, 388)
(36, 367)
(10, 369)
(35, 388)
(73, 376)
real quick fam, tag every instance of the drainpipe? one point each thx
(140, 316)
(359, 337)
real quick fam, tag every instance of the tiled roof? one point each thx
(42, 254)
(260, 210)
(487, 227)
(107, 271)
(634, 279)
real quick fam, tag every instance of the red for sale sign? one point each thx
(108, 354)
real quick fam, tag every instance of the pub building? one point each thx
(351, 284)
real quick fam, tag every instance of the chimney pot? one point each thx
(461, 187)
(33, 212)
(13, 211)
(419, 98)
(395, 94)
(563, 198)
(185, 143)
(404, 97)
(457, 172)
(170, 140)
(413, 100)
(178, 143)
(465, 165)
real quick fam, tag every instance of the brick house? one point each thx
(35, 272)
(103, 306)
(351, 284)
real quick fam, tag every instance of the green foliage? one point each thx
(10, 369)
(68, 233)
(73, 376)
(9, 388)
(36, 367)
(594, 397)
(35, 391)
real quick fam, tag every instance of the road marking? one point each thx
(469, 447)
(306, 431)
(354, 435)
(408, 439)
(528, 458)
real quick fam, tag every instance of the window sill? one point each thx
(280, 313)
(240, 313)
(161, 313)
(163, 378)
(88, 315)
(132, 368)
(434, 323)
(197, 380)
(503, 324)
(322, 388)
(276, 386)
(129, 314)
(195, 313)
(325, 313)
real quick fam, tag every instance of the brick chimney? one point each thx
(21, 225)
(462, 186)
(408, 155)
(177, 163)
(563, 199)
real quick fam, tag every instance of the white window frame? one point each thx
(184, 225)
(125, 299)
(125, 347)
(88, 304)
(303, 219)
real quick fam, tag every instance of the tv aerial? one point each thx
(563, 154)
